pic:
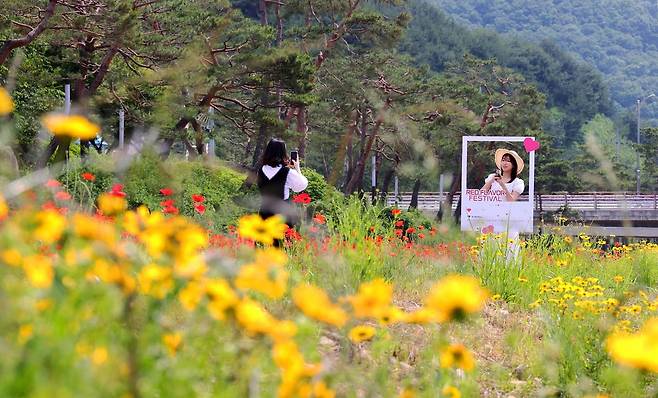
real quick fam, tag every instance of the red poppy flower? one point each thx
(303, 198)
(198, 198)
(399, 223)
(421, 236)
(166, 191)
(200, 208)
(117, 190)
(170, 210)
(411, 230)
(372, 229)
(319, 218)
(292, 234)
(62, 195)
(167, 203)
(395, 212)
(398, 232)
(421, 227)
(88, 176)
(53, 183)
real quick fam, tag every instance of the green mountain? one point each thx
(575, 90)
(619, 37)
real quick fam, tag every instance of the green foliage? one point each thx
(575, 88)
(618, 38)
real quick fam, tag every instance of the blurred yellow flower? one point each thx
(407, 393)
(638, 350)
(456, 296)
(172, 341)
(111, 204)
(451, 392)
(265, 231)
(191, 295)
(320, 390)
(99, 356)
(50, 226)
(457, 356)
(155, 281)
(361, 333)
(266, 275)
(222, 297)
(39, 270)
(421, 316)
(6, 104)
(253, 317)
(25, 333)
(371, 299)
(618, 279)
(11, 257)
(315, 303)
(4, 209)
(74, 126)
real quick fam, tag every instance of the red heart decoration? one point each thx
(488, 229)
(468, 210)
(530, 144)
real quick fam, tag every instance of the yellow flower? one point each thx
(568, 239)
(638, 350)
(50, 226)
(99, 356)
(172, 341)
(222, 297)
(111, 204)
(456, 296)
(265, 231)
(361, 333)
(457, 356)
(25, 333)
(618, 279)
(6, 104)
(39, 270)
(320, 390)
(253, 317)
(372, 299)
(11, 257)
(421, 316)
(523, 279)
(191, 295)
(391, 315)
(155, 281)
(74, 126)
(535, 303)
(266, 275)
(451, 392)
(315, 303)
(4, 209)
(407, 393)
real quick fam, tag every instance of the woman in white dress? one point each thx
(506, 180)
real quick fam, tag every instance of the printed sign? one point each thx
(498, 187)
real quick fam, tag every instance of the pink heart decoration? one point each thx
(468, 210)
(488, 229)
(530, 144)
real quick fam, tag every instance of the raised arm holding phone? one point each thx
(505, 178)
(278, 175)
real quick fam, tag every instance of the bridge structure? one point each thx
(604, 213)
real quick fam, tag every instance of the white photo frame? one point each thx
(496, 216)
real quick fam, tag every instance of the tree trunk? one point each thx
(456, 182)
(386, 183)
(10, 45)
(302, 129)
(414, 195)
(342, 149)
(357, 178)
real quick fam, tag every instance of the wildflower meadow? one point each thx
(135, 261)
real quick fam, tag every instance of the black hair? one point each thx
(275, 153)
(514, 165)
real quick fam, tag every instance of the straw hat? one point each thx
(502, 151)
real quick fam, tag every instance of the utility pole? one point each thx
(637, 162)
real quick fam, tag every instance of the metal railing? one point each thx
(583, 201)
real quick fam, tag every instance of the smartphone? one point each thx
(294, 155)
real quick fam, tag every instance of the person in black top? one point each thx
(277, 176)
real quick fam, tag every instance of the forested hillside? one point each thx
(575, 90)
(619, 37)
